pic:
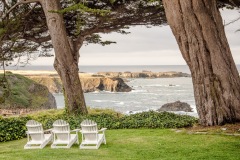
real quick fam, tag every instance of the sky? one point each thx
(147, 46)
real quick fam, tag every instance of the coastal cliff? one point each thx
(20, 95)
(108, 81)
(143, 74)
(107, 84)
(89, 84)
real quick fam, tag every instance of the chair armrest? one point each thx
(48, 130)
(102, 130)
(75, 130)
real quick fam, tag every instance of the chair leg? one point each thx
(104, 140)
(77, 139)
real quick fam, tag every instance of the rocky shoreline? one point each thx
(102, 81)
(143, 74)
(89, 84)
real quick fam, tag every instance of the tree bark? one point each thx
(66, 58)
(198, 28)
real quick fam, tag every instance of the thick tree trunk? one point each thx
(198, 29)
(66, 58)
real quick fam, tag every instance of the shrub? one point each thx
(14, 128)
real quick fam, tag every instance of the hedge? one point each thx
(14, 128)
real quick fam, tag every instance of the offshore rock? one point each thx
(176, 106)
(107, 84)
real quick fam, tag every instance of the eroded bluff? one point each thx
(89, 84)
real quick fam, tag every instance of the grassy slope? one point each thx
(142, 144)
(20, 96)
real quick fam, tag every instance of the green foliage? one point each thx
(14, 128)
(2, 31)
(22, 92)
(96, 39)
(80, 7)
(153, 119)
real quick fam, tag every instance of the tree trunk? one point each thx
(198, 28)
(66, 58)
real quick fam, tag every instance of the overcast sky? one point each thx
(147, 46)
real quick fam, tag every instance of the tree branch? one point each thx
(17, 4)
(38, 40)
(232, 21)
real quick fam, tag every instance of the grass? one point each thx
(139, 144)
(22, 92)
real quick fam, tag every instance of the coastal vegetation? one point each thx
(20, 93)
(13, 128)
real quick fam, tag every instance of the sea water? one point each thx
(147, 94)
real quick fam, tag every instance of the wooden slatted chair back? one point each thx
(35, 130)
(89, 130)
(61, 130)
(89, 126)
(61, 126)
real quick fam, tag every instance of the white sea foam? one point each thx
(120, 103)
(137, 91)
(100, 101)
(172, 85)
(180, 90)
(154, 85)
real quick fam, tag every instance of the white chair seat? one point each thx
(73, 137)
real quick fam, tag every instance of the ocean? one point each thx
(147, 94)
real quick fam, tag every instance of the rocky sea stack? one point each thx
(176, 106)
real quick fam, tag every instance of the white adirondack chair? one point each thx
(35, 135)
(62, 137)
(91, 136)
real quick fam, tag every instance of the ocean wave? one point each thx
(100, 101)
(172, 85)
(180, 90)
(137, 91)
(157, 101)
(155, 94)
(120, 103)
(154, 85)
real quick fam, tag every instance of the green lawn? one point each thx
(142, 144)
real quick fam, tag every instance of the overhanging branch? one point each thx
(17, 4)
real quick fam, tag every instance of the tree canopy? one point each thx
(23, 27)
